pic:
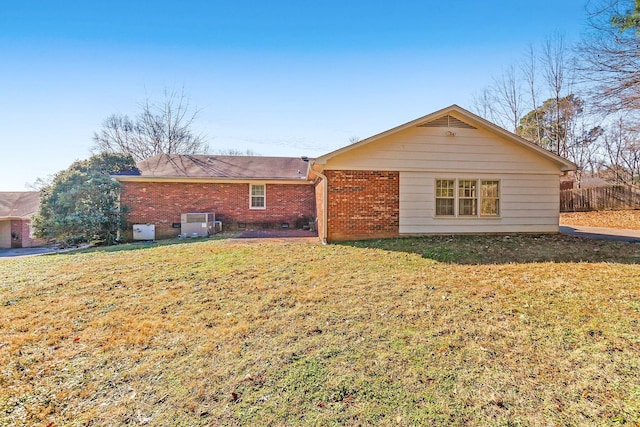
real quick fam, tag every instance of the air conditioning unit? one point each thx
(197, 224)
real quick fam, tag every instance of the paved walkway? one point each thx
(268, 233)
(615, 234)
(271, 236)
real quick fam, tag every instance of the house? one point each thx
(16, 210)
(571, 182)
(242, 191)
(448, 172)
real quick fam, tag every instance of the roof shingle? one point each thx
(230, 167)
(19, 204)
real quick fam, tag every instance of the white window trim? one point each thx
(251, 196)
(498, 198)
(456, 198)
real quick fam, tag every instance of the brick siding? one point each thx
(22, 230)
(362, 204)
(161, 203)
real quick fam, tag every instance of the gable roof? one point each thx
(175, 166)
(462, 119)
(19, 204)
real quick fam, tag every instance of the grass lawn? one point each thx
(498, 330)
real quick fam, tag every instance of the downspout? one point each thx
(323, 237)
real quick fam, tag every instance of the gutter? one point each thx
(207, 180)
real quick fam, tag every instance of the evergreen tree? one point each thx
(82, 202)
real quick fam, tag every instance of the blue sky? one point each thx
(281, 78)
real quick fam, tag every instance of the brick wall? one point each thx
(161, 203)
(21, 229)
(362, 204)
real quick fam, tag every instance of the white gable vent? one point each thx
(447, 122)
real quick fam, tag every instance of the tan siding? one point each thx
(471, 150)
(5, 234)
(528, 203)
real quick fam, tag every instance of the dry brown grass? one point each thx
(628, 219)
(370, 333)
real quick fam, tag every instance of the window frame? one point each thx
(475, 192)
(262, 196)
(495, 198)
(442, 194)
(467, 191)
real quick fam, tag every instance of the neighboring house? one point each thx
(449, 172)
(593, 181)
(243, 192)
(571, 182)
(16, 210)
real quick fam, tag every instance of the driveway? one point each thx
(15, 252)
(38, 250)
(615, 234)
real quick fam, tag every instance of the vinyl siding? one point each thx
(420, 148)
(528, 203)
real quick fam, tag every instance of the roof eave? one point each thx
(139, 178)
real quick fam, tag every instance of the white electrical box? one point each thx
(144, 232)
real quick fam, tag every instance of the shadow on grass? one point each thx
(506, 249)
(146, 244)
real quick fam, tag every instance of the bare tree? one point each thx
(235, 152)
(483, 104)
(548, 76)
(507, 92)
(160, 128)
(622, 153)
(501, 102)
(529, 71)
(582, 147)
(611, 56)
(558, 79)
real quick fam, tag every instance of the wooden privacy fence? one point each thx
(614, 197)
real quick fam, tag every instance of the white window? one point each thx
(445, 197)
(257, 196)
(489, 198)
(467, 198)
